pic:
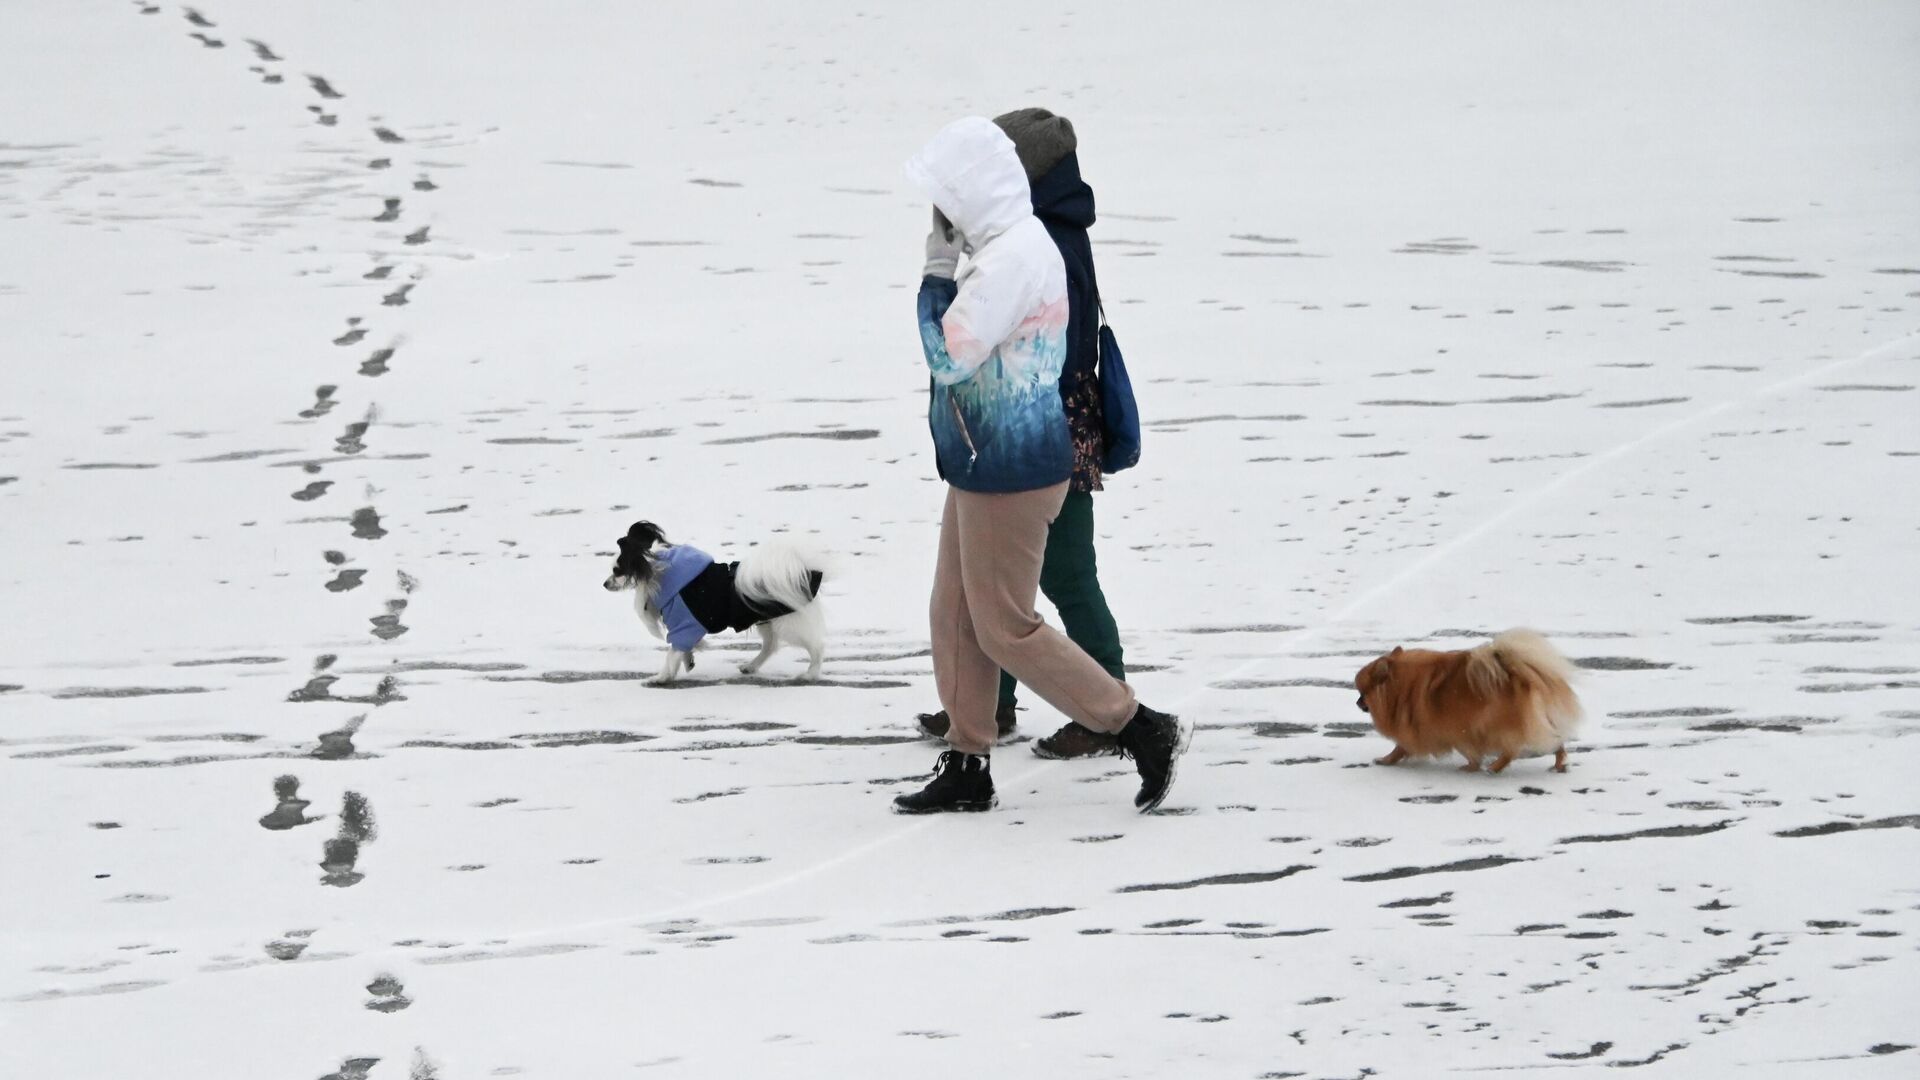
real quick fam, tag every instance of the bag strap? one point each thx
(1087, 266)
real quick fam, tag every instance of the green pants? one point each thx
(1070, 579)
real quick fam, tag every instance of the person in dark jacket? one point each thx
(1069, 576)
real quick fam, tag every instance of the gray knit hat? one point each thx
(1039, 137)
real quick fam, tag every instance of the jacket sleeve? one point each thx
(961, 325)
(936, 299)
(683, 630)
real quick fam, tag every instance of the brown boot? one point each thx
(1075, 741)
(935, 725)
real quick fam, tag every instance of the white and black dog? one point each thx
(683, 595)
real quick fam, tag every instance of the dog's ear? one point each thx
(1395, 654)
(1372, 675)
(644, 533)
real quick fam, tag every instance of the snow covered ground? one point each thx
(338, 343)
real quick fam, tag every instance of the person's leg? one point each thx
(1003, 541)
(963, 674)
(1002, 546)
(1070, 578)
(962, 780)
(939, 725)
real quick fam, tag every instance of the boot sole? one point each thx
(1173, 765)
(956, 808)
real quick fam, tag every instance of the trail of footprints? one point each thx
(340, 854)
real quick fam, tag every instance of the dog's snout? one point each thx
(1362, 703)
(612, 584)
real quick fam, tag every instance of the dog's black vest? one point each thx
(712, 599)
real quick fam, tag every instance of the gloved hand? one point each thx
(943, 250)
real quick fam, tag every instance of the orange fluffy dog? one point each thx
(1500, 700)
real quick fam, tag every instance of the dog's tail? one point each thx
(1535, 668)
(780, 572)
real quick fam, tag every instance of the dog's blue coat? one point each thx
(680, 564)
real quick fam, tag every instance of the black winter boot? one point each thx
(934, 725)
(1155, 742)
(960, 782)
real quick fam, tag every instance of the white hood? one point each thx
(971, 172)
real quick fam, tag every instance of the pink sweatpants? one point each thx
(982, 616)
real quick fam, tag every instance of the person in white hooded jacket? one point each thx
(994, 337)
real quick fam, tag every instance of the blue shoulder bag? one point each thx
(1119, 413)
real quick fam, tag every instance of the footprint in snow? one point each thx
(338, 745)
(342, 853)
(291, 811)
(353, 1069)
(351, 441)
(322, 405)
(290, 945)
(388, 995)
(366, 524)
(387, 627)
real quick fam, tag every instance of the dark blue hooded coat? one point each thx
(1064, 204)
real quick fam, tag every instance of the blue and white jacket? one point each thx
(995, 337)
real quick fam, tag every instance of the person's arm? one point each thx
(936, 299)
(960, 325)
